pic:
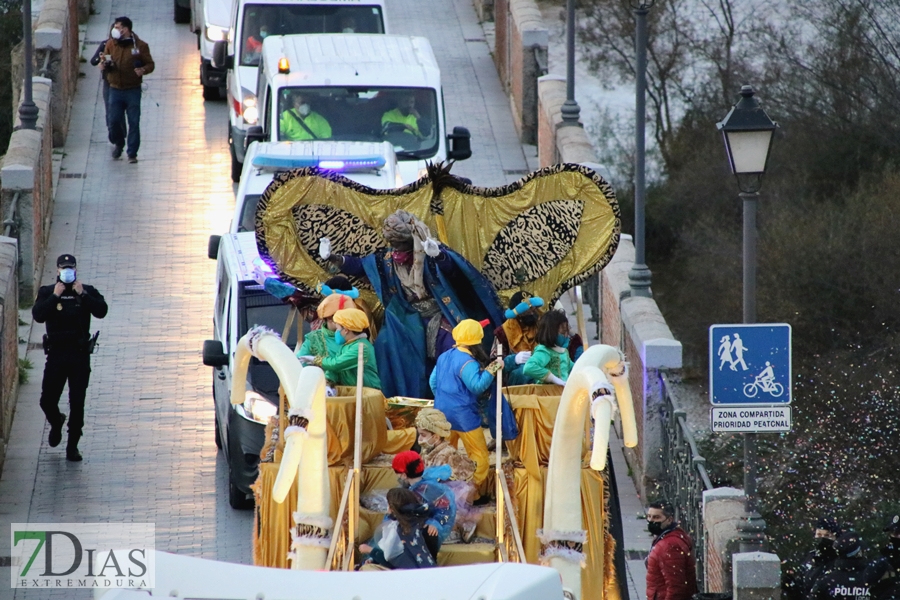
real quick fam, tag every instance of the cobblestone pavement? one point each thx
(140, 234)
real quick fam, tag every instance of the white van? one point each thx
(252, 21)
(361, 88)
(211, 20)
(241, 302)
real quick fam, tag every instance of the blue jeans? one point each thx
(125, 105)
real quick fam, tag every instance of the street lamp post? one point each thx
(639, 276)
(28, 112)
(570, 109)
(748, 131)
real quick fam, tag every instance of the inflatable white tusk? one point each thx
(290, 462)
(601, 410)
(618, 376)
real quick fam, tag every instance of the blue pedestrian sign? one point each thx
(750, 364)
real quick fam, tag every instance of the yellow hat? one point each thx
(433, 420)
(332, 304)
(352, 318)
(469, 332)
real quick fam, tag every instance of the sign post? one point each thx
(750, 377)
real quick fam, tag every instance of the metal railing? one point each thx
(685, 474)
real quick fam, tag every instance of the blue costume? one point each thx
(458, 291)
(440, 499)
(457, 397)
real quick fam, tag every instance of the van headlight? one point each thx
(250, 112)
(257, 408)
(214, 33)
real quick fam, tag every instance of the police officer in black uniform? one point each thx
(847, 579)
(884, 572)
(66, 307)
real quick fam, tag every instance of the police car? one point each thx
(241, 302)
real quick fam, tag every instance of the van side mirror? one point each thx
(220, 58)
(213, 354)
(255, 134)
(212, 247)
(459, 143)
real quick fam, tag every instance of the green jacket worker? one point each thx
(341, 369)
(301, 123)
(404, 114)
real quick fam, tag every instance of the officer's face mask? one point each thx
(67, 275)
(115, 34)
(824, 544)
(303, 109)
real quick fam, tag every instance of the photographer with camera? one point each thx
(125, 62)
(66, 307)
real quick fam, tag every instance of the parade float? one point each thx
(546, 234)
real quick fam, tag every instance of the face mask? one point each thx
(303, 109)
(115, 34)
(528, 320)
(824, 544)
(339, 338)
(67, 275)
(263, 35)
(348, 30)
(562, 341)
(402, 257)
(654, 527)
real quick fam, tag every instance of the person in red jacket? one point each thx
(671, 571)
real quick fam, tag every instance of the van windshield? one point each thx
(262, 20)
(405, 117)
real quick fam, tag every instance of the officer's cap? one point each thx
(65, 260)
(848, 544)
(829, 524)
(894, 525)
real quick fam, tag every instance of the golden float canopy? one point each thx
(545, 233)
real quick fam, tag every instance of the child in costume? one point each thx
(427, 484)
(399, 542)
(351, 332)
(550, 361)
(434, 429)
(461, 375)
(320, 342)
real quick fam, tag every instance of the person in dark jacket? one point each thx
(98, 57)
(66, 307)
(884, 572)
(401, 544)
(846, 579)
(819, 559)
(671, 570)
(130, 61)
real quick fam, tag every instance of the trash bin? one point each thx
(711, 597)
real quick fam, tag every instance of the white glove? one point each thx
(258, 276)
(324, 248)
(551, 378)
(522, 357)
(431, 247)
(307, 360)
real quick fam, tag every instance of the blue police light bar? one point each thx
(329, 163)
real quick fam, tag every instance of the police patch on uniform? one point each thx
(59, 306)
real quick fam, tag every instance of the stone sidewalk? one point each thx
(140, 234)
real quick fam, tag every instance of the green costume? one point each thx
(319, 343)
(548, 360)
(395, 116)
(341, 369)
(291, 129)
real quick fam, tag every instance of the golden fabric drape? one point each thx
(377, 439)
(502, 226)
